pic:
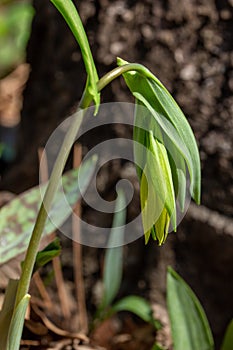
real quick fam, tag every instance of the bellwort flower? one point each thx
(165, 152)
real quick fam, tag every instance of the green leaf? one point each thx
(7, 311)
(157, 347)
(178, 169)
(113, 264)
(19, 215)
(171, 138)
(71, 16)
(11, 323)
(47, 254)
(15, 22)
(150, 91)
(139, 306)
(189, 325)
(17, 322)
(228, 337)
(141, 136)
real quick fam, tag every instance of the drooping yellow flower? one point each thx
(169, 150)
(157, 192)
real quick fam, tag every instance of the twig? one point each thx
(77, 253)
(55, 329)
(42, 290)
(61, 288)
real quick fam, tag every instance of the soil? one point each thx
(188, 45)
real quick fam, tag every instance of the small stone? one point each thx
(116, 48)
(189, 72)
(179, 56)
(147, 31)
(225, 14)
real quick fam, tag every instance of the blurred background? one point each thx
(188, 45)
(15, 28)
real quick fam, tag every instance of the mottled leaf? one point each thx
(19, 215)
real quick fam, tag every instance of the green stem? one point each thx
(56, 174)
(116, 72)
(59, 165)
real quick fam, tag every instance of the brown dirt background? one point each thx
(188, 45)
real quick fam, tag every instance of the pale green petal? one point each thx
(161, 103)
(162, 226)
(162, 177)
(156, 192)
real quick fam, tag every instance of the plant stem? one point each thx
(116, 72)
(56, 174)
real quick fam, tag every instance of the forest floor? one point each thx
(188, 45)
